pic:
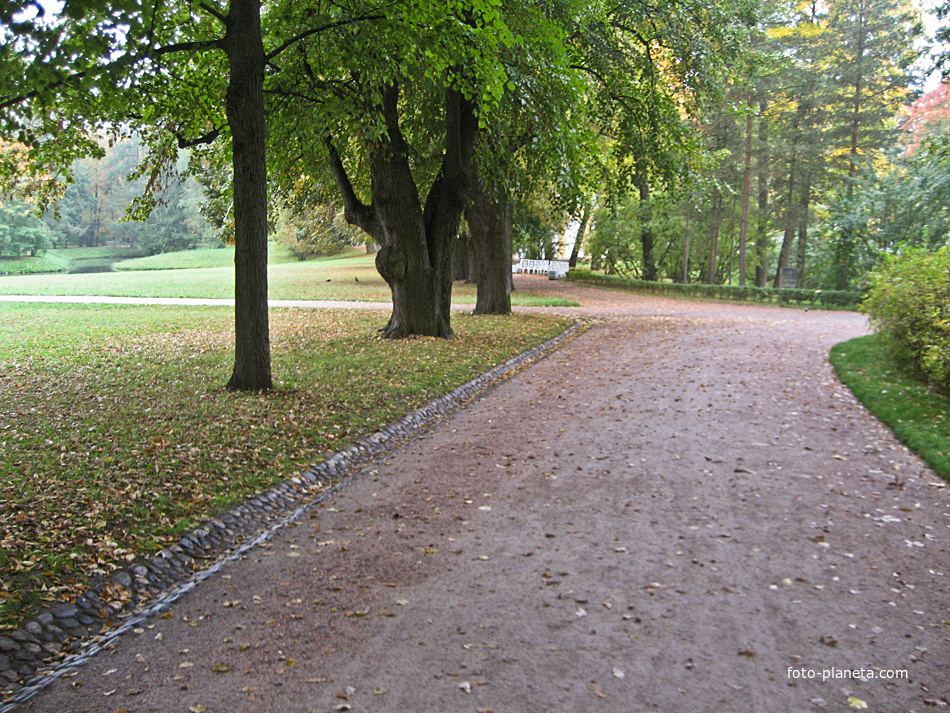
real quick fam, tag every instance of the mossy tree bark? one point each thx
(490, 216)
(416, 240)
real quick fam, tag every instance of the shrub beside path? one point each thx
(681, 509)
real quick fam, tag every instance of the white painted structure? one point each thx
(542, 267)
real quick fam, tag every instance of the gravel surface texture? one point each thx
(681, 509)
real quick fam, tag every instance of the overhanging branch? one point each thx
(317, 30)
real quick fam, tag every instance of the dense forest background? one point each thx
(813, 147)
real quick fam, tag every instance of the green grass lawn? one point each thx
(337, 278)
(118, 436)
(211, 257)
(182, 259)
(916, 413)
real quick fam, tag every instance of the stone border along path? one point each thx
(84, 628)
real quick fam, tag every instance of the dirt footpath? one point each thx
(680, 510)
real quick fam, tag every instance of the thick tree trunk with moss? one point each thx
(490, 216)
(245, 112)
(416, 241)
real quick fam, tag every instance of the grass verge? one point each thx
(914, 411)
(117, 436)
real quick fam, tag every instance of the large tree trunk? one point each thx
(646, 234)
(489, 214)
(415, 255)
(245, 112)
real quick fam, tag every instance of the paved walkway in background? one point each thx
(680, 510)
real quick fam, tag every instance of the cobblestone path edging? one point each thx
(68, 634)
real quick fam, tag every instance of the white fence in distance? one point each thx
(542, 267)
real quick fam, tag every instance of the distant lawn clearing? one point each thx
(348, 278)
(118, 437)
(181, 259)
(917, 414)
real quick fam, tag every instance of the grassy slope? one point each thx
(183, 259)
(917, 414)
(117, 435)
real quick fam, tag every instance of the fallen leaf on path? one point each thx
(221, 667)
(618, 673)
(856, 702)
(747, 652)
(596, 690)
(466, 686)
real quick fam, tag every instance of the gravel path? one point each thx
(682, 509)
